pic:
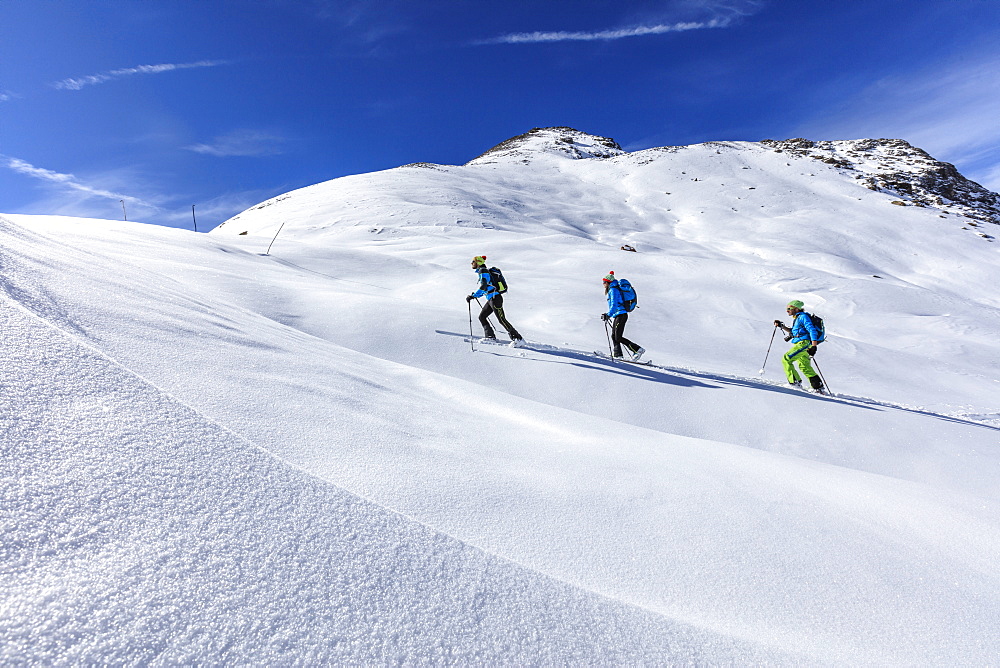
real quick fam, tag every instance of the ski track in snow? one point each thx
(986, 420)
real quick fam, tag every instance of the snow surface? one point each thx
(213, 455)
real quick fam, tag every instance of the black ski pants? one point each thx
(495, 305)
(618, 335)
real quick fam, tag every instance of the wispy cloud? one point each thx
(988, 176)
(98, 197)
(949, 110)
(76, 83)
(244, 143)
(212, 212)
(66, 181)
(6, 95)
(605, 35)
(716, 13)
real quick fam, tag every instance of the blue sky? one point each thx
(221, 105)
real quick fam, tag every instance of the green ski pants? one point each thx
(798, 355)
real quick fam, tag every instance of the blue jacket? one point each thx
(485, 284)
(803, 329)
(616, 305)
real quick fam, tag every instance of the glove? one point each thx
(778, 323)
(605, 317)
(812, 351)
(468, 299)
(788, 338)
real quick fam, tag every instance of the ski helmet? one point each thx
(797, 304)
(479, 260)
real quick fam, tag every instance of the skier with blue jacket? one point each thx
(494, 303)
(804, 337)
(618, 317)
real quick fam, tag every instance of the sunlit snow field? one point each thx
(216, 455)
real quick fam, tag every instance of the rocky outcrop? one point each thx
(559, 140)
(895, 167)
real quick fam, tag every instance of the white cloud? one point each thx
(67, 182)
(67, 195)
(721, 13)
(6, 95)
(100, 197)
(77, 83)
(988, 177)
(606, 35)
(244, 143)
(949, 110)
(218, 209)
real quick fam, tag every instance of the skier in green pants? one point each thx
(804, 337)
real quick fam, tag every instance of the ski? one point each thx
(622, 359)
(497, 342)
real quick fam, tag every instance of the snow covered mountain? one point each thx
(741, 226)
(213, 454)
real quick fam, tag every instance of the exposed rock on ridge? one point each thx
(910, 173)
(560, 140)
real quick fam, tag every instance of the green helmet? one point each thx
(797, 304)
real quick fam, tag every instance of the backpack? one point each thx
(818, 324)
(629, 300)
(497, 279)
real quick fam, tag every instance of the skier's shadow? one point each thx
(591, 361)
(690, 378)
(655, 374)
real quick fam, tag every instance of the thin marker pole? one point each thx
(194, 219)
(123, 209)
(268, 252)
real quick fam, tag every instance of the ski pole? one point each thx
(487, 317)
(820, 372)
(773, 332)
(472, 336)
(611, 352)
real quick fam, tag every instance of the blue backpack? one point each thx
(629, 300)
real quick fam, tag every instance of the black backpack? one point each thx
(818, 324)
(497, 279)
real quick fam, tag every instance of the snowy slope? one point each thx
(727, 234)
(145, 533)
(209, 449)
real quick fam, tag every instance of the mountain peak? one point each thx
(560, 141)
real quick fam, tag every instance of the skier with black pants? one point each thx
(494, 303)
(618, 317)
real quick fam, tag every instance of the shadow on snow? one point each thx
(689, 378)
